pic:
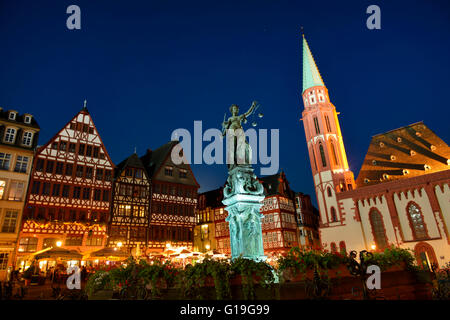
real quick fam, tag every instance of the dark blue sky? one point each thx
(149, 67)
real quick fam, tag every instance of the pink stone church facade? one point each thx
(402, 194)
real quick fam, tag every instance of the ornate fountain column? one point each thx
(243, 193)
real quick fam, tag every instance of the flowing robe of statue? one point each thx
(243, 193)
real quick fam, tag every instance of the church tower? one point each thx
(325, 144)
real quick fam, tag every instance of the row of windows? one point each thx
(270, 237)
(133, 191)
(81, 149)
(133, 173)
(10, 137)
(67, 169)
(182, 173)
(16, 190)
(62, 214)
(63, 190)
(415, 218)
(30, 244)
(83, 127)
(12, 116)
(132, 210)
(290, 236)
(21, 162)
(173, 209)
(173, 190)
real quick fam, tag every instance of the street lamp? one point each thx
(373, 247)
(207, 247)
(58, 243)
(119, 244)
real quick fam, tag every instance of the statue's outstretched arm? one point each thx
(252, 108)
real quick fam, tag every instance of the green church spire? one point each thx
(311, 75)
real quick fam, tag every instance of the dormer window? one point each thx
(10, 135)
(12, 115)
(27, 119)
(168, 171)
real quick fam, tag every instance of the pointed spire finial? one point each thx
(134, 149)
(85, 103)
(302, 31)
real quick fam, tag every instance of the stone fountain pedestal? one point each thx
(243, 197)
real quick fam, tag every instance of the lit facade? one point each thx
(18, 139)
(70, 192)
(402, 194)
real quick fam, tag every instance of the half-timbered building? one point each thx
(279, 224)
(70, 188)
(130, 208)
(173, 200)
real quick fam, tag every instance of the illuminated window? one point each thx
(336, 162)
(27, 138)
(416, 220)
(10, 135)
(28, 244)
(10, 221)
(16, 191)
(72, 241)
(376, 221)
(327, 121)
(2, 188)
(5, 160)
(3, 260)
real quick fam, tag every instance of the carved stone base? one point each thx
(243, 200)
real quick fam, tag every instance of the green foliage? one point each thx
(301, 260)
(251, 272)
(193, 278)
(157, 275)
(100, 280)
(394, 256)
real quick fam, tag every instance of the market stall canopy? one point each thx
(108, 254)
(59, 253)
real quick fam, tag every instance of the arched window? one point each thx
(342, 248)
(333, 247)
(416, 220)
(316, 124)
(336, 162)
(314, 158)
(378, 231)
(329, 191)
(333, 215)
(322, 155)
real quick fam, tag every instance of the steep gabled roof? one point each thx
(153, 160)
(132, 161)
(402, 153)
(273, 185)
(213, 199)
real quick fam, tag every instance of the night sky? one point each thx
(149, 67)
